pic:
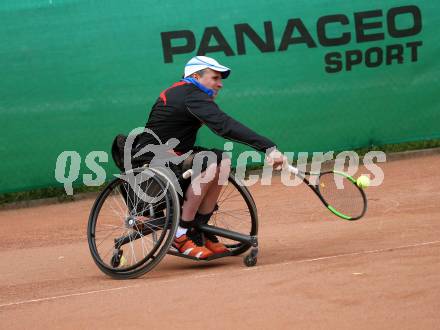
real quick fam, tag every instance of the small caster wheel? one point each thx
(116, 258)
(250, 261)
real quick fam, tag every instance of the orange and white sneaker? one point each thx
(191, 247)
(213, 244)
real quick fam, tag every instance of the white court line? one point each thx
(361, 252)
(215, 274)
(67, 295)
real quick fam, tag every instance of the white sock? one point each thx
(180, 231)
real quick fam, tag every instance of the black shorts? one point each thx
(198, 160)
(200, 156)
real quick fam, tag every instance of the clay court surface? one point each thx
(314, 271)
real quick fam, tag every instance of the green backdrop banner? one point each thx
(312, 76)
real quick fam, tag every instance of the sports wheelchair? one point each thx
(133, 222)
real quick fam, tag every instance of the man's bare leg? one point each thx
(208, 204)
(192, 200)
(211, 196)
(188, 241)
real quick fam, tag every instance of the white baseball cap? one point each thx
(198, 63)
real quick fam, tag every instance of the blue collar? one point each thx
(193, 81)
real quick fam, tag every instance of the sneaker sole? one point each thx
(176, 253)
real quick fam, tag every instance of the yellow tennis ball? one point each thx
(123, 261)
(363, 181)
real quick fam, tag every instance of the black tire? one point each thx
(127, 235)
(237, 212)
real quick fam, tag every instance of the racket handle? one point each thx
(187, 174)
(292, 169)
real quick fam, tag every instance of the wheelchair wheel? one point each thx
(132, 223)
(235, 211)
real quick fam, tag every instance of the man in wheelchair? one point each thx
(178, 113)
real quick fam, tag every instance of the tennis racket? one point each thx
(338, 191)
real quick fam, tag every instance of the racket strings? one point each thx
(342, 194)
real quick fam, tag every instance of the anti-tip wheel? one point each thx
(115, 261)
(250, 261)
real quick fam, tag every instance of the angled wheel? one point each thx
(235, 211)
(250, 261)
(132, 223)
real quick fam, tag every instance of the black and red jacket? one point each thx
(182, 109)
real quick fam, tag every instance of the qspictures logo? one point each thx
(400, 26)
(67, 168)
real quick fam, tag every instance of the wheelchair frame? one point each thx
(167, 222)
